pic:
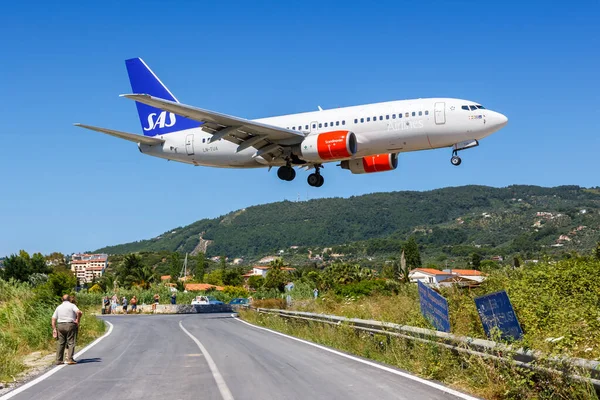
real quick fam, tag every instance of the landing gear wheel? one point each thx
(315, 179)
(321, 181)
(455, 160)
(286, 173)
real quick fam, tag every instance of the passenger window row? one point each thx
(362, 120)
(393, 116)
(314, 126)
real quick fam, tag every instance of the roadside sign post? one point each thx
(434, 308)
(496, 312)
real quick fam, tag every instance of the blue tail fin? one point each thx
(154, 121)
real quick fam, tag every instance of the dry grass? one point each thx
(472, 374)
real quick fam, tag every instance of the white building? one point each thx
(428, 275)
(88, 266)
(435, 277)
(262, 271)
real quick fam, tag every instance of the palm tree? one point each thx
(142, 277)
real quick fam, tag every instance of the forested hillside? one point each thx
(454, 220)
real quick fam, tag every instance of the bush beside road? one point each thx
(25, 314)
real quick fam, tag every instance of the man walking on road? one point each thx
(65, 322)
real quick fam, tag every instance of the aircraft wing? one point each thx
(267, 139)
(124, 135)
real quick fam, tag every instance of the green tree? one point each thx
(391, 270)
(404, 269)
(142, 277)
(62, 282)
(516, 262)
(200, 267)
(223, 263)
(39, 265)
(232, 277)
(256, 282)
(175, 268)
(476, 261)
(412, 253)
(597, 251)
(128, 269)
(17, 267)
(276, 276)
(214, 277)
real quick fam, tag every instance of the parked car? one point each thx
(212, 300)
(240, 301)
(199, 300)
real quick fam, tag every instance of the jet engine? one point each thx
(374, 163)
(328, 146)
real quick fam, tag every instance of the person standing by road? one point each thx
(114, 301)
(65, 322)
(106, 304)
(133, 303)
(124, 303)
(173, 298)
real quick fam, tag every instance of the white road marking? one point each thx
(55, 369)
(225, 393)
(370, 363)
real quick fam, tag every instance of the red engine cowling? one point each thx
(328, 146)
(370, 164)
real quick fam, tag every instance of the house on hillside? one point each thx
(197, 287)
(262, 271)
(459, 281)
(470, 274)
(428, 275)
(267, 259)
(447, 277)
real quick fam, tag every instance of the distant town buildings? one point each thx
(88, 266)
(262, 271)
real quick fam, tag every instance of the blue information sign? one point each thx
(434, 308)
(496, 311)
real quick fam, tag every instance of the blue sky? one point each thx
(67, 189)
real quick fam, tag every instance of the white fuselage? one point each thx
(390, 127)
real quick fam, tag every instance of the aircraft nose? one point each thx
(503, 119)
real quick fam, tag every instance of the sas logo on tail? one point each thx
(160, 121)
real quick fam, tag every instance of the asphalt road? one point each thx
(152, 357)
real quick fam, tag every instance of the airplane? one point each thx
(361, 139)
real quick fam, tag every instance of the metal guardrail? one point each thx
(464, 344)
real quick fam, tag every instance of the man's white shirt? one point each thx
(66, 312)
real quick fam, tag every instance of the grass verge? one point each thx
(25, 327)
(469, 373)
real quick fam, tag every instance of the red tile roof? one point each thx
(201, 286)
(431, 271)
(467, 272)
(165, 277)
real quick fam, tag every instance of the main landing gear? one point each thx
(316, 179)
(286, 173)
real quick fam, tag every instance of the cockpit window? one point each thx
(480, 107)
(473, 108)
(465, 108)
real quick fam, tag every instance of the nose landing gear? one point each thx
(467, 144)
(455, 160)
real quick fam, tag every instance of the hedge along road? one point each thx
(215, 356)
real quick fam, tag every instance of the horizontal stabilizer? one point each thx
(124, 135)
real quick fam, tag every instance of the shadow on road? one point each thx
(89, 360)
